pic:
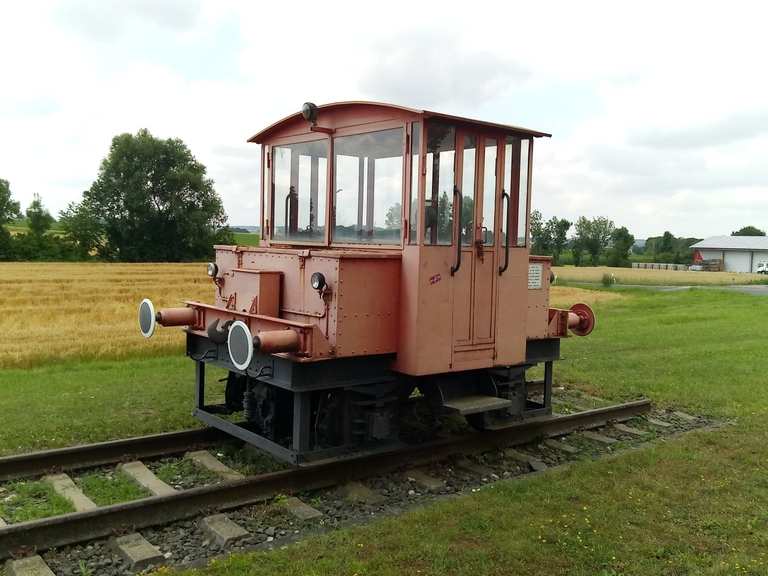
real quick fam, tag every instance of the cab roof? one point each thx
(397, 111)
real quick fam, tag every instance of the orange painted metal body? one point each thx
(401, 299)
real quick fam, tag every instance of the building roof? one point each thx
(260, 136)
(733, 243)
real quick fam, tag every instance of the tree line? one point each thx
(595, 240)
(598, 241)
(151, 201)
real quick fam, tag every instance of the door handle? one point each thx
(502, 269)
(457, 199)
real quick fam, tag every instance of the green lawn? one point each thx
(246, 238)
(687, 506)
(693, 505)
(80, 402)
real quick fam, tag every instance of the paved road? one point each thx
(754, 289)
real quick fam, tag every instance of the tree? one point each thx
(748, 231)
(556, 233)
(394, 216)
(621, 244)
(577, 249)
(9, 208)
(594, 236)
(9, 211)
(38, 218)
(668, 248)
(539, 240)
(152, 200)
(82, 228)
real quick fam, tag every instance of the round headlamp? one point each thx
(212, 270)
(317, 281)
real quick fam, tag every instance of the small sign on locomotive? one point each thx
(394, 257)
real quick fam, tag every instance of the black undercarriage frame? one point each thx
(369, 392)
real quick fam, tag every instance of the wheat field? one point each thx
(79, 311)
(655, 277)
(61, 311)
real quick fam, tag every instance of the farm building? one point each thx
(738, 253)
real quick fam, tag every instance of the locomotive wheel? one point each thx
(329, 420)
(235, 391)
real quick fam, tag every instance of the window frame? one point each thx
(354, 131)
(517, 152)
(286, 141)
(420, 174)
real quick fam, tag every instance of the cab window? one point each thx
(439, 180)
(299, 173)
(368, 187)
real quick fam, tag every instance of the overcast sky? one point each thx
(659, 111)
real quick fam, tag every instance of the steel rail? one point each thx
(103, 522)
(101, 453)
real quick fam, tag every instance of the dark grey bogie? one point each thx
(302, 412)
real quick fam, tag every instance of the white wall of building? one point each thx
(736, 260)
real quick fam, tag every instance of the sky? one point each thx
(658, 110)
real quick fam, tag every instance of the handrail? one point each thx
(502, 269)
(458, 204)
(287, 210)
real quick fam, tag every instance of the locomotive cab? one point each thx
(394, 256)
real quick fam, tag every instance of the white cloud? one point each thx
(658, 109)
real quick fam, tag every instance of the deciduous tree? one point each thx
(38, 218)
(152, 200)
(621, 243)
(556, 233)
(748, 231)
(9, 208)
(594, 236)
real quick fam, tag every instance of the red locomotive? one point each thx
(395, 256)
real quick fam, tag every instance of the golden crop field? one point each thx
(69, 311)
(55, 311)
(566, 296)
(654, 277)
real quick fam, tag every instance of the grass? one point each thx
(184, 473)
(594, 274)
(58, 311)
(246, 238)
(80, 402)
(106, 488)
(693, 505)
(21, 227)
(22, 501)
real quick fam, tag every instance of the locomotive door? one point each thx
(473, 267)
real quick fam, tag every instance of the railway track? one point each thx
(57, 531)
